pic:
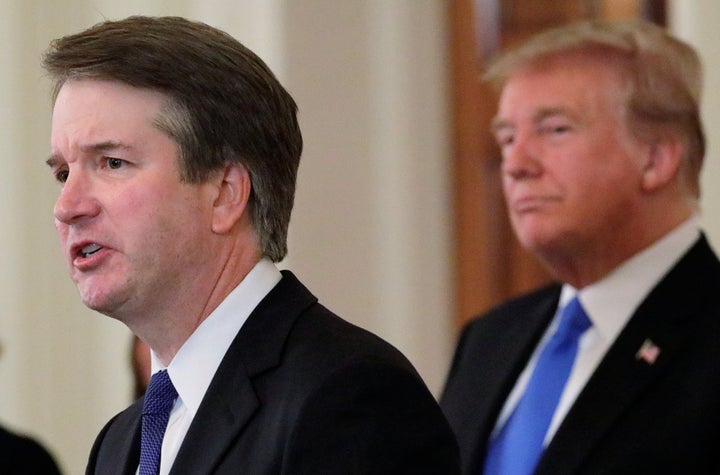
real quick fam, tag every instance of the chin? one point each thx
(540, 244)
(538, 233)
(531, 238)
(98, 305)
(100, 300)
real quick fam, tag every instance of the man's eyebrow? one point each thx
(546, 112)
(53, 161)
(498, 123)
(104, 146)
(91, 148)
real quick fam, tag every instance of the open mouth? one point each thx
(89, 250)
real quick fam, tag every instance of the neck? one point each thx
(587, 266)
(169, 327)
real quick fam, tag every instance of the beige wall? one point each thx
(370, 229)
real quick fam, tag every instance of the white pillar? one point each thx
(696, 22)
(371, 230)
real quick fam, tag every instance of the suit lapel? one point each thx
(493, 355)
(622, 377)
(223, 413)
(231, 400)
(130, 450)
(120, 449)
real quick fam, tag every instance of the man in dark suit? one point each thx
(602, 145)
(177, 153)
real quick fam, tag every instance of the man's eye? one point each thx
(504, 139)
(62, 175)
(554, 129)
(115, 163)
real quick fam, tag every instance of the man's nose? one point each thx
(76, 201)
(521, 159)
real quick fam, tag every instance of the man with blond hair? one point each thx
(615, 368)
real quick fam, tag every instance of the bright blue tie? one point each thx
(517, 448)
(159, 399)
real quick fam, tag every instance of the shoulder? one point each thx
(311, 337)
(339, 340)
(505, 330)
(350, 402)
(538, 301)
(364, 408)
(333, 354)
(116, 439)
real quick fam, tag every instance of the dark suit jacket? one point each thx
(632, 417)
(21, 455)
(300, 391)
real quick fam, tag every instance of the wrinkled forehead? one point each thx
(90, 112)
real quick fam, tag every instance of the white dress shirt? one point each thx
(195, 364)
(609, 303)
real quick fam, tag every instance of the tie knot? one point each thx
(574, 320)
(160, 395)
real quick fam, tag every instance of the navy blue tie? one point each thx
(159, 400)
(517, 448)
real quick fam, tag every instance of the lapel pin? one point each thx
(648, 352)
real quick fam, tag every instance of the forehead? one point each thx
(91, 110)
(105, 100)
(572, 83)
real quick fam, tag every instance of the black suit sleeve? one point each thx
(372, 419)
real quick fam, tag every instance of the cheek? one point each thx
(142, 220)
(146, 204)
(181, 222)
(606, 201)
(161, 215)
(61, 229)
(62, 232)
(508, 189)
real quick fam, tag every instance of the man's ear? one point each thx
(664, 160)
(232, 198)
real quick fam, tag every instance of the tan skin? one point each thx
(141, 245)
(583, 194)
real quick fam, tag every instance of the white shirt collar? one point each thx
(195, 364)
(611, 301)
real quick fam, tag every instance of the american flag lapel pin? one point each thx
(648, 352)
